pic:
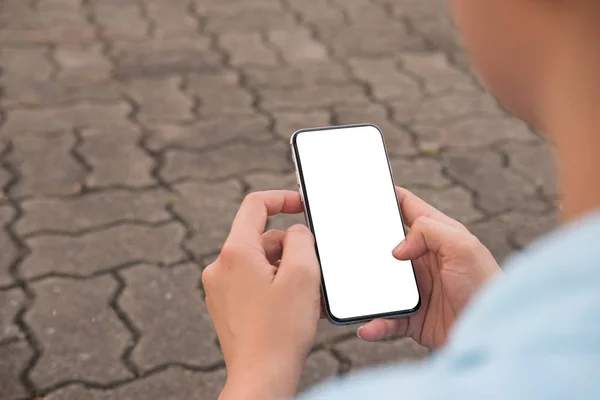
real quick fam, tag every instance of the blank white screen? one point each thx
(356, 221)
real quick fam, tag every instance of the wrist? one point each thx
(264, 377)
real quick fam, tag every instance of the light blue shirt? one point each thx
(532, 334)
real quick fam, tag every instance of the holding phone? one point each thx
(350, 204)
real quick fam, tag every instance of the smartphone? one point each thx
(350, 203)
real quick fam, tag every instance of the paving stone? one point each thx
(435, 73)
(385, 80)
(120, 21)
(208, 209)
(92, 210)
(83, 64)
(50, 27)
(220, 94)
(472, 132)
(14, 358)
(211, 132)
(318, 367)
(247, 49)
(288, 122)
(77, 310)
(12, 301)
(226, 161)
(254, 17)
(45, 164)
(453, 201)
(297, 46)
(444, 108)
(364, 12)
(19, 94)
(276, 181)
(307, 74)
(66, 118)
(160, 100)
(374, 41)
(498, 188)
(165, 56)
(25, 64)
(71, 5)
(167, 307)
(397, 140)
(317, 13)
(312, 97)
(102, 250)
(171, 19)
(364, 354)
(525, 228)
(171, 384)
(534, 161)
(116, 159)
(9, 248)
(418, 172)
(494, 234)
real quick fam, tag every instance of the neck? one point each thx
(572, 119)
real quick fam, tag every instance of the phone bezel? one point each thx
(302, 189)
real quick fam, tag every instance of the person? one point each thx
(531, 332)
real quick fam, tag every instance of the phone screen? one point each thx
(352, 208)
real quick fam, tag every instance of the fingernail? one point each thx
(358, 331)
(399, 247)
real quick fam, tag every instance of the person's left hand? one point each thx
(263, 294)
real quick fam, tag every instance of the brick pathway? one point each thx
(131, 130)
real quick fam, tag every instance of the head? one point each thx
(527, 52)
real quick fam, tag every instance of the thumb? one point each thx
(427, 235)
(299, 263)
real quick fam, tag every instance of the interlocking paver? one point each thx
(25, 64)
(171, 384)
(418, 172)
(242, 158)
(165, 305)
(120, 20)
(312, 97)
(92, 210)
(116, 158)
(164, 56)
(11, 301)
(525, 228)
(317, 13)
(171, 18)
(328, 333)
(9, 252)
(208, 208)
(307, 74)
(494, 234)
(14, 357)
(220, 94)
(319, 366)
(86, 64)
(102, 250)
(71, 5)
(247, 49)
(256, 16)
(385, 79)
(45, 164)
(288, 122)
(453, 201)
(362, 354)
(210, 132)
(534, 161)
(297, 46)
(364, 12)
(160, 99)
(66, 118)
(78, 311)
(498, 188)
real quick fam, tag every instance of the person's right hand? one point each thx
(450, 264)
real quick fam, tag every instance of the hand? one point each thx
(450, 265)
(263, 294)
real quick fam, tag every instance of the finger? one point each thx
(380, 329)
(414, 207)
(251, 218)
(272, 243)
(299, 264)
(432, 235)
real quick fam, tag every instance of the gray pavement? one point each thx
(131, 130)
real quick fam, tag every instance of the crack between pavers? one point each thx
(97, 228)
